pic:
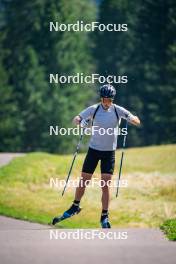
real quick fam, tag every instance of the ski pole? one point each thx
(121, 161)
(74, 157)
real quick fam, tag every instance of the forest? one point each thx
(143, 51)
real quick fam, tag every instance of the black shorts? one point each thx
(93, 156)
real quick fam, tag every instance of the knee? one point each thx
(86, 176)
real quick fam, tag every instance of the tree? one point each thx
(116, 54)
(33, 53)
(154, 31)
(146, 54)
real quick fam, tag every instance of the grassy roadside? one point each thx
(148, 201)
(169, 228)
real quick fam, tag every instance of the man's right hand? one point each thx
(82, 122)
(77, 120)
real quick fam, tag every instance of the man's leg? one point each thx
(88, 169)
(107, 169)
(105, 200)
(89, 166)
(105, 190)
(74, 208)
(84, 181)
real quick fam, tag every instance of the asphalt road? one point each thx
(30, 243)
(22, 242)
(5, 158)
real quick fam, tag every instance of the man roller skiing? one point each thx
(101, 148)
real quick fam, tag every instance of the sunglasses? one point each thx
(106, 99)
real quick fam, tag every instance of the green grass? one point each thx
(149, 200)
(169, 228)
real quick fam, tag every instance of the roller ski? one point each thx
(73, 210)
